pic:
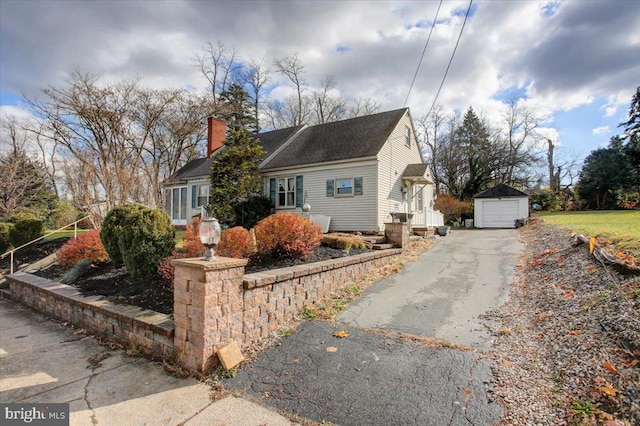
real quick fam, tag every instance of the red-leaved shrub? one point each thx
(191, 247)
(84, 246)
(287, 236)
(234, 242)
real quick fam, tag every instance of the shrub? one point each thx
(112, 230)
(25, 230)
(5, 241)
(146, 237)
(191, 247)
(234, 242)
(343, 241)
(252, 210)
(287, 236)
(63, 213)
(452, 208)
(85, 246)
(15, 218)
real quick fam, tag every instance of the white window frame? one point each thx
(407, 136)
(337, 188)
(419, 198)
(199, 188)
(287, 191)
(177, 204)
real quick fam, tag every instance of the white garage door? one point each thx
(499, 213)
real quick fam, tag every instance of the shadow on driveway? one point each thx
(370, 379)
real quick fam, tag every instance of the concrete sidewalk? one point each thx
(45, 362)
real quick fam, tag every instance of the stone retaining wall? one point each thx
(142, 330)
(215, 304)
(272, 298)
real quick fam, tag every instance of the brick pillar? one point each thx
(207, 308)
(397, 233)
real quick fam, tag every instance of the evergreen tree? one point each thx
(236, 109)
(235, 175)
(604, 172)
(473, 138)
(631, 148)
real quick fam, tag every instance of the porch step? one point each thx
(373, 239)
(382, 246)
(424, 231)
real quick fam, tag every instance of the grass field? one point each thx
(620, 228)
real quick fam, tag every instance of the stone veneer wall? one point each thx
(145, 331)
(272, 298)
(215, 303)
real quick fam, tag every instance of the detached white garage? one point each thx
(499, 207)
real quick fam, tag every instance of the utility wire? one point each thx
(450, 60)
(422, 57)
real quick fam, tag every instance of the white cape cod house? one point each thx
(356, 171)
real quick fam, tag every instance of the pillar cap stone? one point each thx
(213, 265)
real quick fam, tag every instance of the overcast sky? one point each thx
(576, 62)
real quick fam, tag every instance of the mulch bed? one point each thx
(118, 286)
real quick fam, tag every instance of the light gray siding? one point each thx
(394, 156)
(350, 213)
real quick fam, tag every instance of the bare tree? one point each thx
(520, 139)
(23, 182)
(431, 131)
(328, 107)
(92, 122)
(362, 106)
(292, 68)
(170, 129)
(257, 76)
(218, 64)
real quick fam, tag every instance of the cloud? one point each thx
(561, 55)
(601, 130)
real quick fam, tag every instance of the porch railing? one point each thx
(12, 251)
(433, 218)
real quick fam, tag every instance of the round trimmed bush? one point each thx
(147, 237)
(5, 241)
(111, 230)
(25, 230)
(287, 236)
(234, 242)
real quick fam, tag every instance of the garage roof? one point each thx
(501, 191)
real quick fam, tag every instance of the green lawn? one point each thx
(62, 234)
(620, 228)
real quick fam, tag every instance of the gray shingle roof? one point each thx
(501, 191)
(341, 140)
(358, 137)
(415, 170)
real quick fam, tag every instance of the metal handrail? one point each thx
(75, 234)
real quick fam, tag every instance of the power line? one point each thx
(451, 59)
(422, 56)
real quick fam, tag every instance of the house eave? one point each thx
(326, 163)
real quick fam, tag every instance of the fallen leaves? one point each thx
(332, 349)
(575, 332)
(341, 334)
(610, 367)
(609, 390)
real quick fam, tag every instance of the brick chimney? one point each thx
(216, 134)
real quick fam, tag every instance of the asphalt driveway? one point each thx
(381, 378)
(443, 293)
